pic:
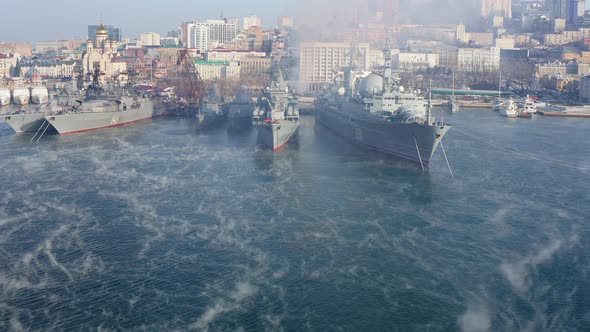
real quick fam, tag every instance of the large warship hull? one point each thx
(24, 122)
(70, 123)
(412, 141)
(240, 123)
(276, 135)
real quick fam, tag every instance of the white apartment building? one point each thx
(251, 21)
(320, 63)
(215, 70)
(478, 59)
(198, 37)
(150, 39)
(232, 55)
(220, 30)
(413, 61)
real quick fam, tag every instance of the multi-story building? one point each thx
(490, 7)
(49, 69)
(478, 59)
(481, 38)
(56, 45)
(220, 30)
(584, 88)
(114, 33)
(414, 61)
(563, 38)
(286, 22)
(215, 70)
(19, 49)
(150, 39)
(251, 21)
(7, 64)
(221, 54)
(321, 62)
(254, 66)
(169, 41)
(198, 38)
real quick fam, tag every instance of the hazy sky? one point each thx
(65, 19)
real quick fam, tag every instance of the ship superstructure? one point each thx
(276, 116)
(381, 115)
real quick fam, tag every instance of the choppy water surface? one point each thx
(154, 226)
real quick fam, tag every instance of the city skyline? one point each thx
(69, 19)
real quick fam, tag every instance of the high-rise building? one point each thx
(114, 32)
(286, 22)
(493, 7)
(320, 62)
(251, 21)
(557, 8)
(574, 9)
(198, 37)
(150, 39)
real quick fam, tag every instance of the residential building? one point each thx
(414, 61)
(198, 38)
(321, 61)
(563, 38)
(584, 89)
(150, 39)
(478, 59)
(286, 22)
(491, 7)
(57, 45)
(251, 21)
(254, 66)
(49, 69)
(7, 64)
(18, 49)
(169, 41)
(221, 54)
(220, 30)
(215, 70)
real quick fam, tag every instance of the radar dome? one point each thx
(341, 91)
(370, 85)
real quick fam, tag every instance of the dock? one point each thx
(569, 112)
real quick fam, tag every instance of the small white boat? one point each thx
(21, 96)
(39, 95)
(4, 96)
(530, 106)
(509, 109)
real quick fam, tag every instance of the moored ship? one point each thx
(39, 95)
(102, 109)
(4, 96)
(377, 113)
(20, 96)
(240, 112)
(276, 116)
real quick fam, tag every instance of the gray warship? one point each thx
(102, 109)
(210, 114)
(276, 116)
(377, 113)
(22, 121)
(240, 112)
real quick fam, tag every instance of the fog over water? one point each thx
(154, 226)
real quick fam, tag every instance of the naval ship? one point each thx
(276, 115)
(379, 114)
(102, 109)
(210, 114)
(240, 112)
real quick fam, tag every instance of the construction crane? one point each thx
(189, 85)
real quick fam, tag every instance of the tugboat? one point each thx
(509, 109)
(276, 116)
